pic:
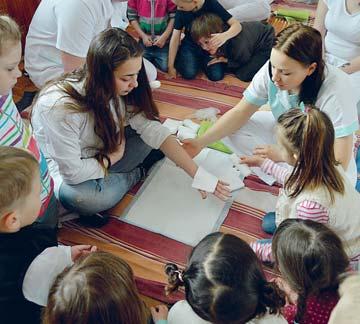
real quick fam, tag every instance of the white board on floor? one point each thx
(168, 205)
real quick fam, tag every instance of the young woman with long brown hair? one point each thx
(99, 128)
(296, 75)
(317, 187)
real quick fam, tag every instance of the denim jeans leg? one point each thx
(94, 196)
(188, 60)
(269, 224)
(161, 57)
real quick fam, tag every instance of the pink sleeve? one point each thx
(262, 250)
(312, 210)
(171, 6)
(278, 172)
(133, 5)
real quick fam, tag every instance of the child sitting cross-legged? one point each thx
(243, 54)
(317, 187)
(224, 283)
(21, 240)
(311, 259)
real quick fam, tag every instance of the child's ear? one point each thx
(312, 67)
(10, 222)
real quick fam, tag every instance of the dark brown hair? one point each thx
(17, 171)
(311, 137)
(98, 289)
(303, 44)
(205, 25)
(108, 50)
(224, 281)
(9, 32)
(310, 257)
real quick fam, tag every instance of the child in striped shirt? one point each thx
(13, 131)
(317, 187)
(154, 22)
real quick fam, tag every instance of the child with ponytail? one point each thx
(317, 187)
(311, 259)
(224, 283)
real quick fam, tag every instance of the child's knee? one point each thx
(215, 73)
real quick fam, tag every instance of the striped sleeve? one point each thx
(312, 210)
(278, 172)
(132, 10)
(262, 250)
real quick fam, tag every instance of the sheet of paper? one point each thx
(168, 205)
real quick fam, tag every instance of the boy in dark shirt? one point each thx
(243, 54)
(191, 57)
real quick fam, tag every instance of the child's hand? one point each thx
(272, 152)
(159, 313)
(160, 41)
(119, 153)
(290, 295)
(215, 60)
(217, 40)
(171, 72)
(79, 250)
(252, 161)
(147, 40)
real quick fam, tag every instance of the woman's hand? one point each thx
(271, 152)
(119, 153)
(222, 191)
(192, 147)
(159, 312)
(252, 161)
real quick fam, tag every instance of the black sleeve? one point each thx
(216, 8)
(179, 22)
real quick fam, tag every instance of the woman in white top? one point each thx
(224, 283)
(98, 127)
(339, 24)
(295, 75)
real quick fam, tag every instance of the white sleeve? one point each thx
(62, 136)
(181, 313)
(152, 132)
(75, 27)
(336, 98)
(257, 92)
(42, 272)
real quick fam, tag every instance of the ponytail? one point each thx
(270, 297)
(175, 278)
(311, 136)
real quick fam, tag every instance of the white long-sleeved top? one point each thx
(68, 140)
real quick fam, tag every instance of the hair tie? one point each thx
(180, 275)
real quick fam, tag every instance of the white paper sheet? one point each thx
(168, 205)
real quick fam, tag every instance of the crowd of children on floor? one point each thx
(95, 132)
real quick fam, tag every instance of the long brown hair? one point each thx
(303, 44)
(108, 50)
(224, 281)
(311, 138)
(310, 257)
(97, 289)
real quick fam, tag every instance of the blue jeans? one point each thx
(269, 224)
(158, 56)
(191, 58)
(94, 196)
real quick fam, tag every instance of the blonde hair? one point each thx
(99, 288)
(9, 32)
(17, 170)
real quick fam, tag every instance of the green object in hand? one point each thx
(293, 14)
(218, 145)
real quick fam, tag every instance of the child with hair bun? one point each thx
(317, 188)
(311, 259)
(224, 283)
